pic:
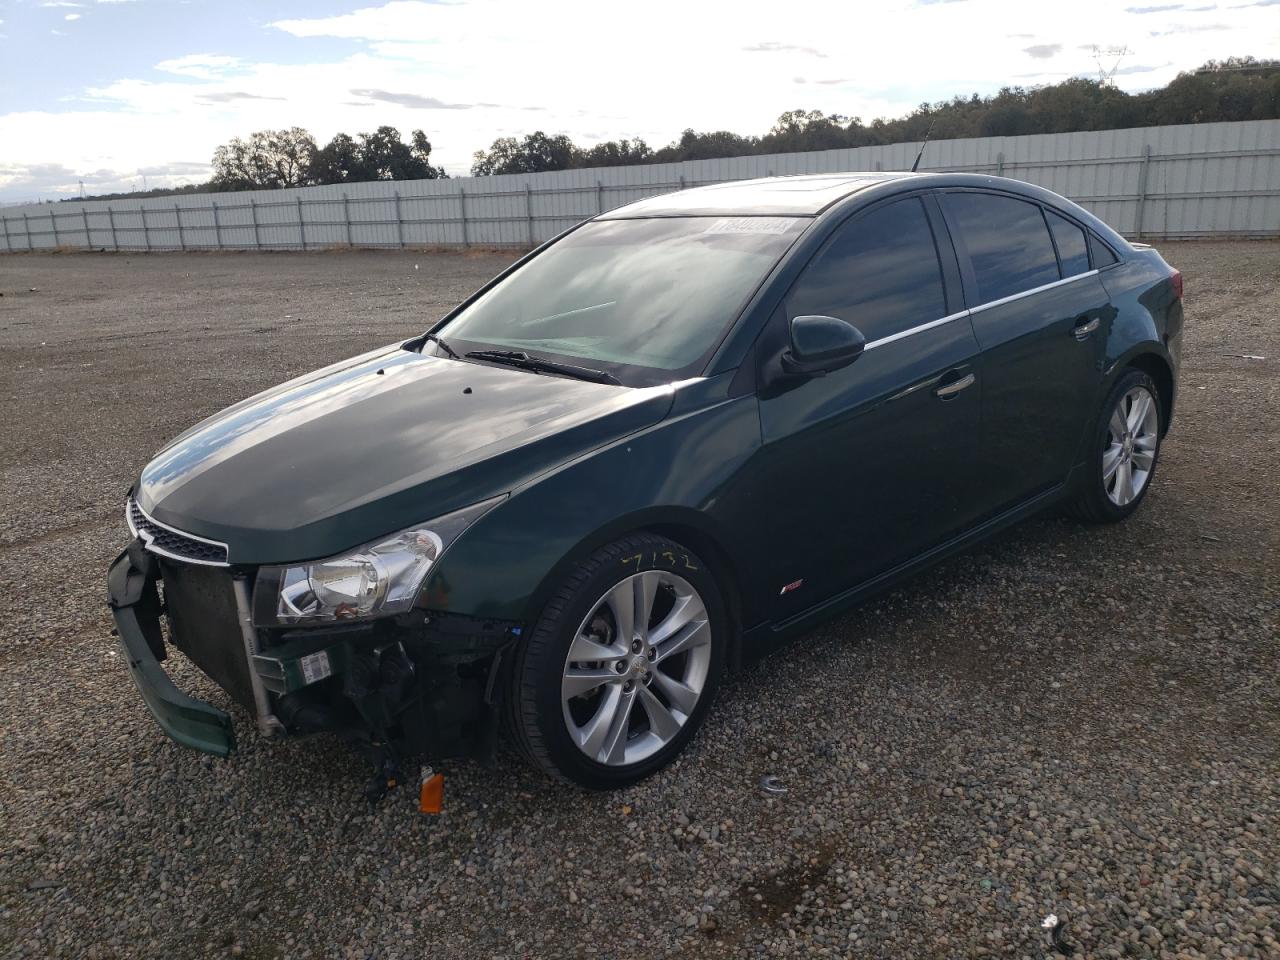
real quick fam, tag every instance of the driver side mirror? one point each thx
(821, 344)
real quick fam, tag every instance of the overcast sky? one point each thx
(112, 91)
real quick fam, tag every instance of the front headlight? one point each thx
(376, 580)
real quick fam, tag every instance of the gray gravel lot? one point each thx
(1069, 720)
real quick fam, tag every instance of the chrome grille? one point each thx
(174, 544)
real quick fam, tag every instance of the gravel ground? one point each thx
(1074, 721)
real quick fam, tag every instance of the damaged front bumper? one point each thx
(421, 683)
(135, 605)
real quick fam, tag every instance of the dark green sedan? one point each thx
(650, 450)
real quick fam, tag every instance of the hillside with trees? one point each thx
(1239, 88)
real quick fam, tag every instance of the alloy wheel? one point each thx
(636, 668)
(1133, 434)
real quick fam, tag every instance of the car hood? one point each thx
(372, 445)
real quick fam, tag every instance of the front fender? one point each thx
(679, 472)
(685, 524)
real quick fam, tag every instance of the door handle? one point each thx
(1084, 327)
(949, 390)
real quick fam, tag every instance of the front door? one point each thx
(872, 464)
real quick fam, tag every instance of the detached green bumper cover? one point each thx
(131, 594)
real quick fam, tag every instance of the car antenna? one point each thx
(925, 144)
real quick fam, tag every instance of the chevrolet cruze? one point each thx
(651, 449)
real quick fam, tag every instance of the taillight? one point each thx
(1176, 282)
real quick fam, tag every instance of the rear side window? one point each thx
(1008, 243)
(1073, 248)
(880, 272)
(1102, 255)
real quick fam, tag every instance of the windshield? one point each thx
(655, 294)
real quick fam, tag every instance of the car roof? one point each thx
(809, 195)
(801, 196)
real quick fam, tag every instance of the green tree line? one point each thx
(270, 159)
(1239, 88)
(291, 158)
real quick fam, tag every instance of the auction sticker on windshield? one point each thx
(752, 225)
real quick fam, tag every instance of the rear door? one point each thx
(1040, 320)
(869, 465)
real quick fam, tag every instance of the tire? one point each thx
(1114, 455)
(627, 711)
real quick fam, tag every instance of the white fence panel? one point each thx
(1211, 179)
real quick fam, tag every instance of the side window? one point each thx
(1073, 249)
(880, 272)
(1102, 255)
(1007, 240)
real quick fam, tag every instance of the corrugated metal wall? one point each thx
(1211, 179)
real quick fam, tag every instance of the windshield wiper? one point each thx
(518, 358)
(436, 338)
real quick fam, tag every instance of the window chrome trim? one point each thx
(1026, 293)
(150, 546)
(912, 331)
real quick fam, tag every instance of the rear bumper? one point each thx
(135, 605)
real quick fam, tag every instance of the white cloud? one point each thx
(72, 16)
(469, 72)
(131, 147)
(203, 66)
(733, 66)
(396, 20)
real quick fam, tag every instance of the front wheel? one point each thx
(622, 666)
(1124, 451)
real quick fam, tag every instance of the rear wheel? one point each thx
(1125, 448)
(621, 668)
